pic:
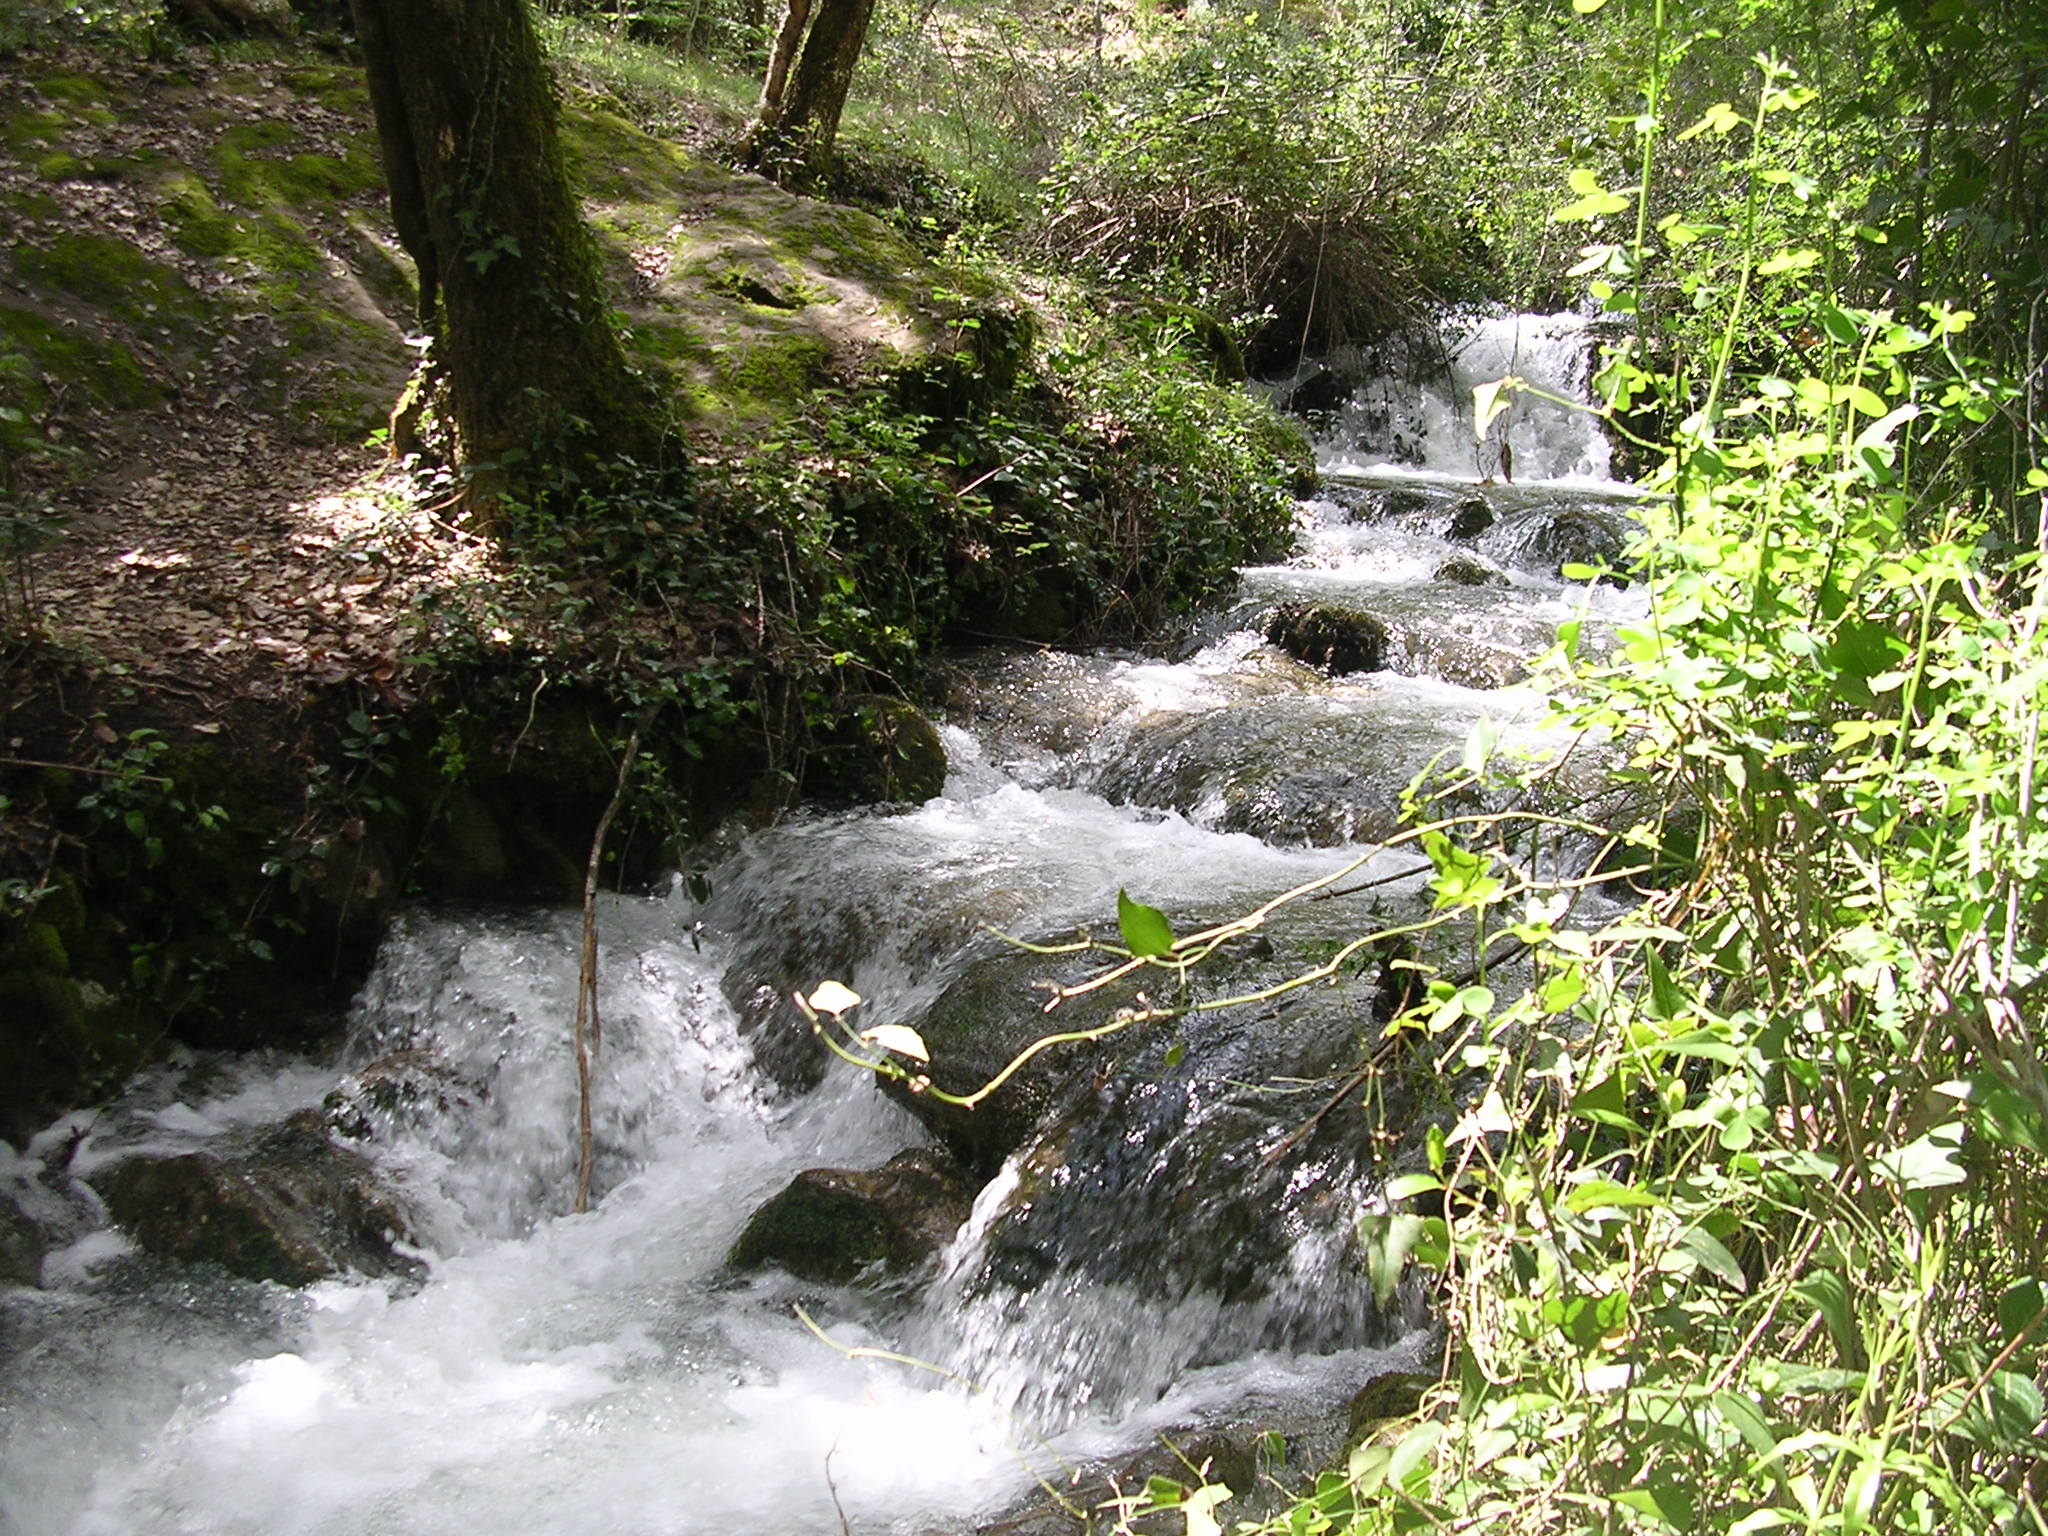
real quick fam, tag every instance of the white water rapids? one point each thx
(565, 1375)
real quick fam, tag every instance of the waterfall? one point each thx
(1406, 404)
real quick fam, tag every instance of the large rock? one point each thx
(837, 1224)
(22, 1246)
(1336, 640)
(286, 1204)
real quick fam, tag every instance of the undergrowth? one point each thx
(1741, 1230)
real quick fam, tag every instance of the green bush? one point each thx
(1275, 175)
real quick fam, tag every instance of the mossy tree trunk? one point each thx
(810, 71)
(536, 382)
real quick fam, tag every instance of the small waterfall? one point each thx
(1406, 404)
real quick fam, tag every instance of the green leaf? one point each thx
(1564, 989)
(1788, 261)
(1927, 1162)
(1200, 1509)
(1713, 1257)
(1414, 1449)
(1667, 1001)
(1829, 1296)
(1163, 1492)
(1490, 400)
(2020, 1308)
(1411, 1184)
(1388, 1241)
(1145, 929)
(1720, 118)
(1747, 1420)
(1859, 1498)
(1604, 1103)
(1605, 1192)
(833, 997)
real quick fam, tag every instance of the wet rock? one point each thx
(1337, 640)
(466, 855)
(1395, 1395)
(835, 1224)
(1404, 502)
(1471, 571)
(884, 749)
(401, 1089)
(1473, 516)
(286, 1204)
(22, 1246)
(981, 1023)
(1579, 538)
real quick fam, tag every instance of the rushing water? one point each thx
(1152, 1266)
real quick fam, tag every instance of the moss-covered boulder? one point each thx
(1463, 570)
(838, 1224)
(287, 1205)
(882, 749)
(1332, 639)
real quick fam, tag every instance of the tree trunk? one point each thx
(793, 132)
(537, 385)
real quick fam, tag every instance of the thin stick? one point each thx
(589, 1032)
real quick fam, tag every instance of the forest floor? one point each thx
(213, 539)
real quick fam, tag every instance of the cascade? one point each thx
(1160, 1252)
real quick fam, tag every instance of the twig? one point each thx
(103, 773)
(589, 1032)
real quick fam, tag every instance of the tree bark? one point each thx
(510, 289)
(801, 101)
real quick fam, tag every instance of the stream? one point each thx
(1161, 1253)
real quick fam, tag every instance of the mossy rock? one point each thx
(102, 368)
(1470, 571)
(1332, 639)
(286, 1205)
(61, 1030)
(1385, 1400)
(837, 1225)
(882, 749)
(22, 1246)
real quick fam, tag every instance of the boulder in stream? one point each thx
(1471, 571)
(1474, 515)
(22, 1246)
(286, 1204)
(1575, 537)
(1336, 640)
(836, 1224)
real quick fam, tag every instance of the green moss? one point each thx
(79, 90)
(106, 272)
(666, 343)
(193, 219)
(42, 949)
(776, 372)
(107, 372)
(611, 159)
(333, 85)
(27, 130)
(61, 166)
